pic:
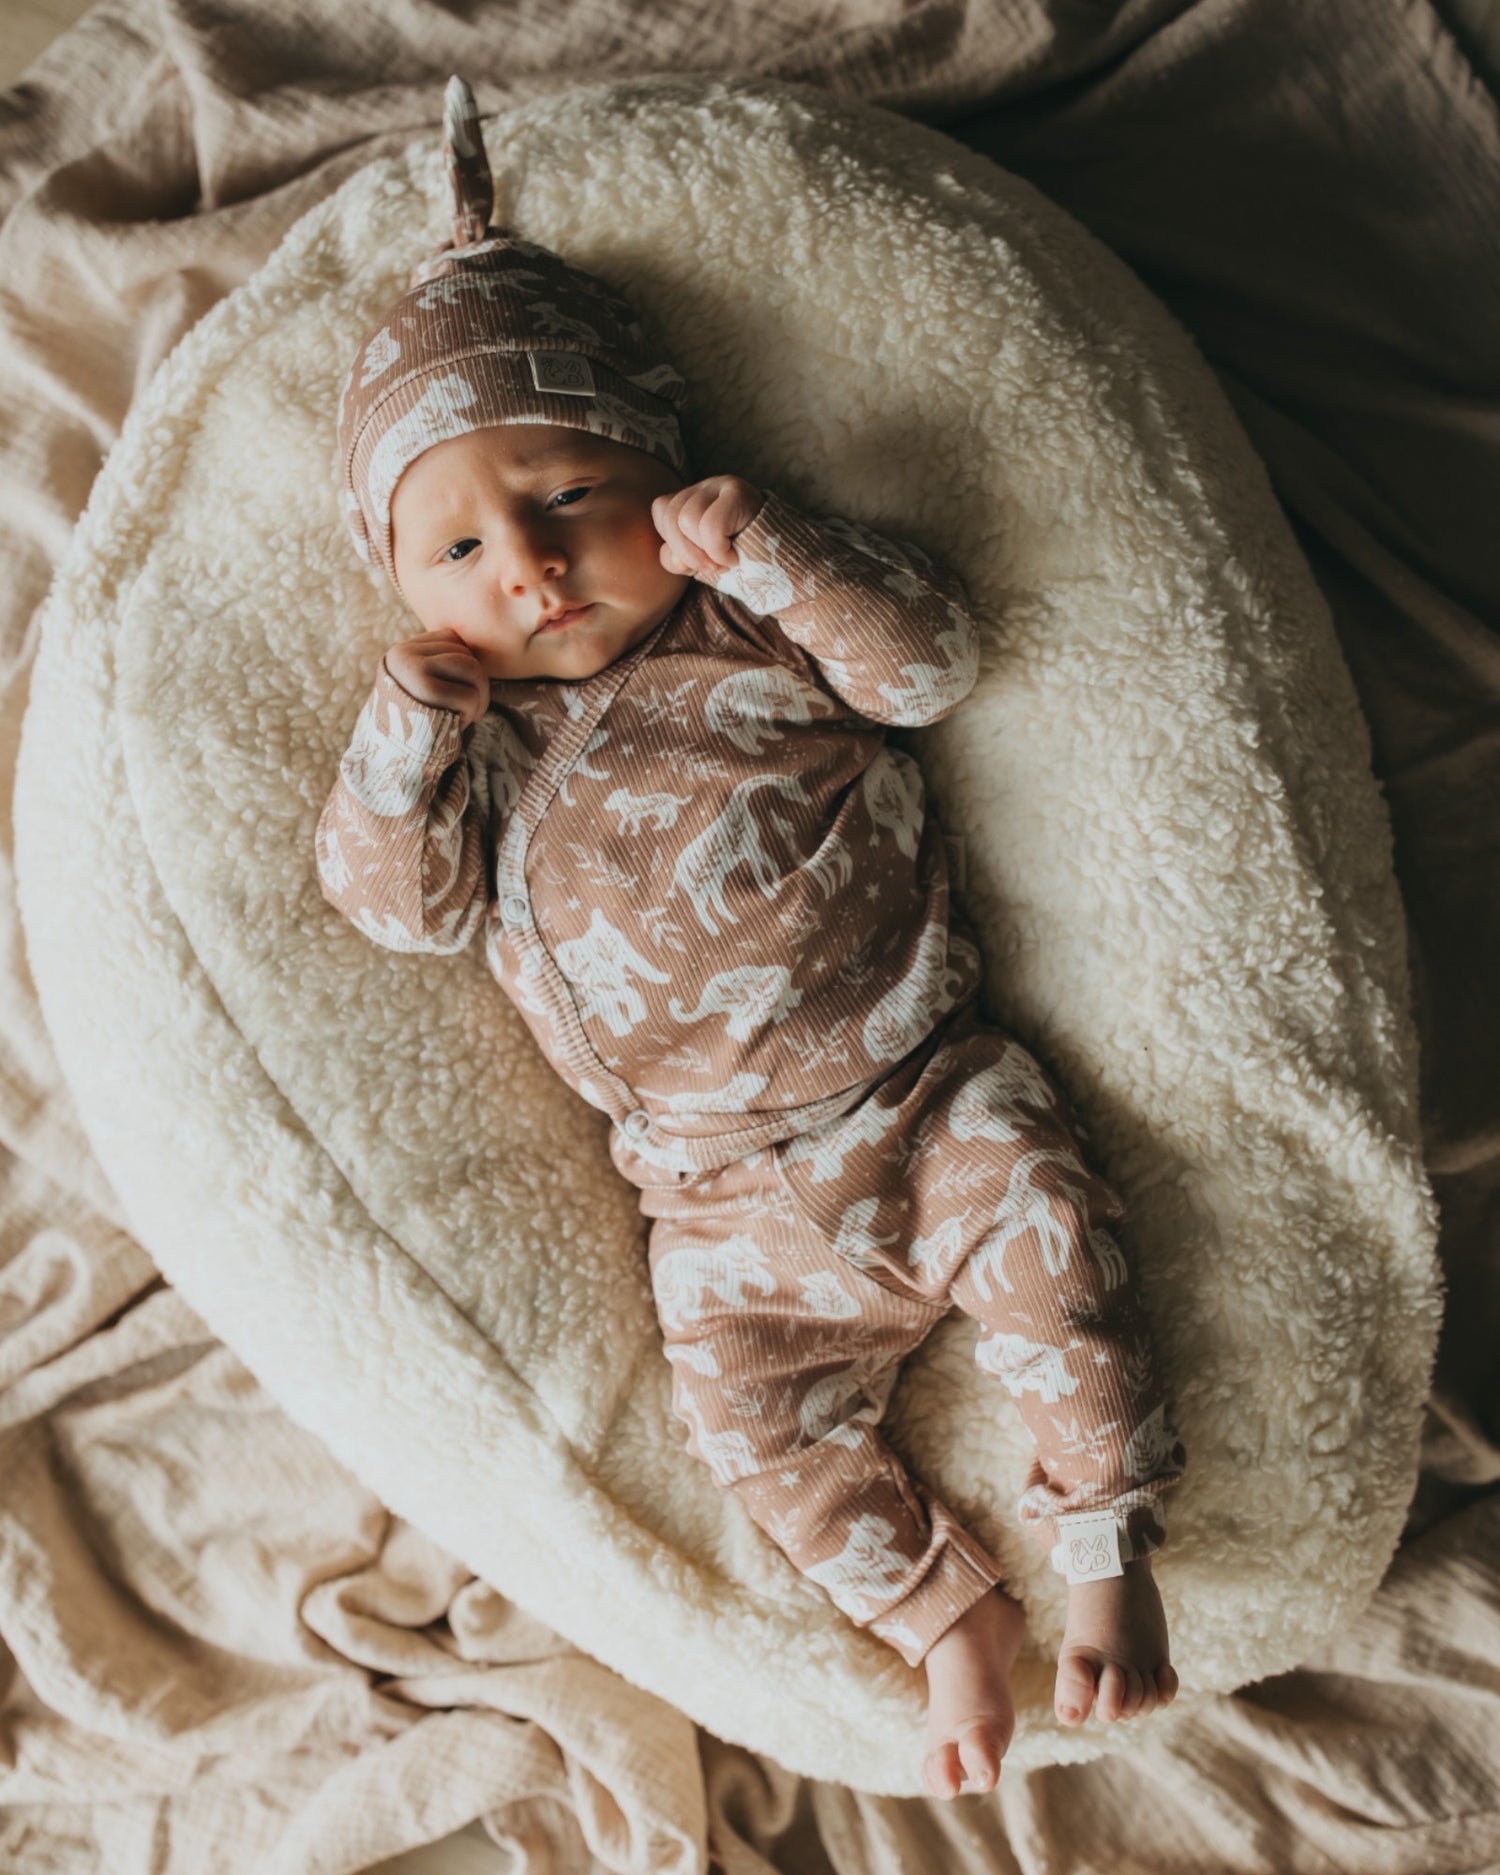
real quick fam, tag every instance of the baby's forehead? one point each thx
(511, 455)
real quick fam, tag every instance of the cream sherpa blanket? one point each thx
(360, 1171)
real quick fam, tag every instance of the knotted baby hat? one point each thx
(494, 330)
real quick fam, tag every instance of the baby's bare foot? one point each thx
(1114, 1649)
(970, 1716)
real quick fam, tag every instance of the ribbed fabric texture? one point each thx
(717, 895)
(494, 330)
(785, 1340)
(714, 892)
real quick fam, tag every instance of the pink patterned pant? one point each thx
(792, 1283)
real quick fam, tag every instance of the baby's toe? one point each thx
(942, 1772)
(1166, 1685)
(980, 1759)
(1112, 1690)
(1134, 1702)
(1074, 1695)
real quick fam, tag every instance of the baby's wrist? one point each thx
(411, 686)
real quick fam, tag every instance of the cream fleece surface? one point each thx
(359, 1169)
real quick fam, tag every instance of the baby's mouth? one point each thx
(556, 621)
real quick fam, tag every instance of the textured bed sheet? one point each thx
(220, 1651)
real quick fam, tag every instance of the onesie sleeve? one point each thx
(889, 628)
(401, 839)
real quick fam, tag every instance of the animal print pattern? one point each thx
(791, 1285)
(705, 877)
(712, 888)
(494, 330)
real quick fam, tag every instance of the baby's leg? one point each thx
(783, 1356)
(1065, 1334)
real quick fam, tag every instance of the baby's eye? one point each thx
(568, 496)
(458, 551)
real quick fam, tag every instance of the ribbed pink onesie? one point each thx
(712, 887)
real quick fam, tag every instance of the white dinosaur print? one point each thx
(907, 1013)
(661, 381)
(747, 706)
(759, 585)
(728, 1455)
(829, 1145)
(941, 1248)
(734, 1097)
(634, 809)
(386, 930)
(734, 839)
(901, 555)
(854, 1242)
(380, 354)
(981, 1106)
(685, 1277)
(613, 414)
(868, 1573)
(1024, 1209)
(525, 982)
(895, 797)
(1027, 1366)
(932, 690)
(825, 1296)
(333, 869)
(835, 1401)
(600, 965)
(750, 996)
(384, 768)
(1054, 1235)
(901, 1637)
(832, 866)
(437, 416)
(552, 321)
(472, 283)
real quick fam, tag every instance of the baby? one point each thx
(641, 742)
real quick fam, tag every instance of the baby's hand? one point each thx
(439, 669)
(698, 524)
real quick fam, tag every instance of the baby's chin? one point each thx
(580, 651)
(573, 656)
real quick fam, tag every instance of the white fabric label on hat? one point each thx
(1090, 1542)
(567, 372)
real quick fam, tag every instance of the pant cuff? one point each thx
(1137, 1520)
(962, 1572)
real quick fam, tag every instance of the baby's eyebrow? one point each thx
(577, 455)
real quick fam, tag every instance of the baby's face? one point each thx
(496, 532)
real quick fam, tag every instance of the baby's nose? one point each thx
(531, 561)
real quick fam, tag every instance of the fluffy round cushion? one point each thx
(362, 1173)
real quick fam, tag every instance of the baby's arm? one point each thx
(889, 628)
(400, 842)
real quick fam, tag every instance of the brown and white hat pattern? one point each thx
(494, 330)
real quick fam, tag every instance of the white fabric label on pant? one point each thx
(1090, 1545)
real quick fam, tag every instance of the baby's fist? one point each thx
(440, 670)
(698, 524)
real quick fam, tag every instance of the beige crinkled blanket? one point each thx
(219, 1652)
